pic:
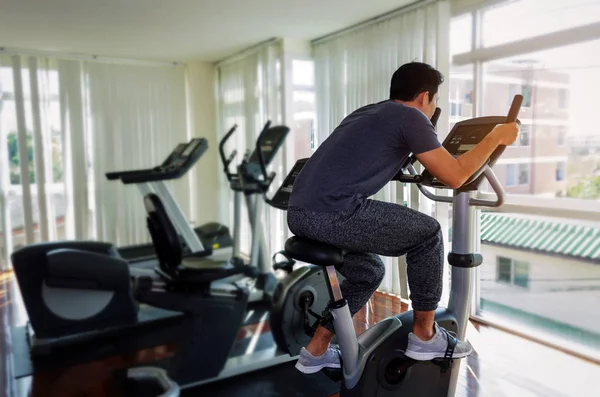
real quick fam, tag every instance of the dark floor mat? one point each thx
(283, 380)
(257, 312)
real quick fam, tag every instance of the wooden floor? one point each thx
(503, 365)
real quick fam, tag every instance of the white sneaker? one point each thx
(309, 364)
(437, 346)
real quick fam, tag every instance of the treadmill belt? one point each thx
(283, 380)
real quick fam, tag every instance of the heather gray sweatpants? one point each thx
(379, 228)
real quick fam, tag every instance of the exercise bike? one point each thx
(374, 363)
(84, 305)
(250, 181)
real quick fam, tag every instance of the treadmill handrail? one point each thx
(227, 161)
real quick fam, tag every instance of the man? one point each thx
(330, 203)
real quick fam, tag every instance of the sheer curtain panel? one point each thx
(37, 138)
(136, 116)
(63, 125)
(354, 69)
(249, 93)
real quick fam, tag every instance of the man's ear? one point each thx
(423, 98)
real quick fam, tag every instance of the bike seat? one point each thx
(315, 252)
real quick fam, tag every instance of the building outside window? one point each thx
(541, 273)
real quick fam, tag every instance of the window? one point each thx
(513, 90)
(561, 137)
(545, 261)
(524, 136)
(517, 174)
(461, 94)
(527, 92)
(521, 274)
(523, 174)
(303, 72)
(504, 270)
(563, 98)
(513, 272)
(511, 175)
(523, 89)
(303, 107)
(49, 106)
(560, 171)
(469, 96)
(553, 73)
(460, 34)
(455, 109)
(550, 16)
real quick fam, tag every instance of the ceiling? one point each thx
(175, 30)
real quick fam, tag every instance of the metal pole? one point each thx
(461, 289)
(462, 283)
(237, 224)
(260, 259)
(178, 217)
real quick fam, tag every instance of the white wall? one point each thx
(202, 116)
(559, 288)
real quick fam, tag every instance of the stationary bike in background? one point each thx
(374, 364)
(250, 181)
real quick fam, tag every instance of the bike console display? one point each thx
(252, 172)
(465, 136)
(270, 142)
(254, 165)
(281, 198)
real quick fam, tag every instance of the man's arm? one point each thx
(454, 172)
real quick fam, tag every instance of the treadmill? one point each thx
(151, 180)
(186, 312)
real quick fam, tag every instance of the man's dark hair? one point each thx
(413, 78)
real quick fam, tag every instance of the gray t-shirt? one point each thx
(361, 156)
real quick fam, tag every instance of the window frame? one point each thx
(475, 59)
(479, 55)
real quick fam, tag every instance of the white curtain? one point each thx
(137, 115)
(37, 144)
(354, 69)
(63, 124)
(249, 93)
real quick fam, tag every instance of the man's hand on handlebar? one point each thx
(507, 133)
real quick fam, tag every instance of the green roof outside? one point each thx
(581, 241)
